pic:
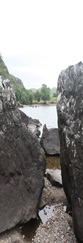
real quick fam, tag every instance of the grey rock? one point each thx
(7, 95)
(54, 176)
(52, 195)
(22, 167)
(70, 121)
(34, 125)
(50, 141)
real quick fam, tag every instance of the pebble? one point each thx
(57, 229)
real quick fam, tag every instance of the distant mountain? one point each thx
(33, 90)
(52, 91)
(23, 95)
(3, 69)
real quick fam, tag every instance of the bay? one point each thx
(46, 114)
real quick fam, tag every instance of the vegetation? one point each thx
(37, 96)
(25, 96)
(45, 93)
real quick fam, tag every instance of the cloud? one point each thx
(40, 38)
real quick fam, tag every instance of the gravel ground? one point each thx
(12, 236)
(58, 229)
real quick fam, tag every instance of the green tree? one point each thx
(37, 95)
(45, 93)
(54, 94)
(24, 98)
(30, 96)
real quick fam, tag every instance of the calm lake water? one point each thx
(45, 114)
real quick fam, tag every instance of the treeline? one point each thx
(26, 97)
(23, 95)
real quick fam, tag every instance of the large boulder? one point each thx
(50, 141)
(70, 121)
(22, 164)
(54, 176)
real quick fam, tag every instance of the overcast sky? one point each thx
(39, 38)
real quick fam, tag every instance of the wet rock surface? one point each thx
(22, 166)
(50, 141)
(70, 120)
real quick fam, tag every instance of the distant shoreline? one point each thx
(35, 105)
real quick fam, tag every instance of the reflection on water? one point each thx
(46, 213)
(53, 162)
(28, 230)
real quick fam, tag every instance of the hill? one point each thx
(5, 73)
(23, 95)
(52, 91)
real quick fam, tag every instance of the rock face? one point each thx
(50, 141)
(54, 176)
(22, 164)
(70, 120)
(7, 95)
(34, 125)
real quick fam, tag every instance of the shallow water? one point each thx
(29, 230)
(44, 113)
(46, 213)
(53, 162)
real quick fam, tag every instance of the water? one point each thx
(28, 230)
(46, 213)
(46, 114)
(53, 162)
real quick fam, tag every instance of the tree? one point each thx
(45, 93)
(30, 97)
(24, 98)
(54, 94)
(37, 95)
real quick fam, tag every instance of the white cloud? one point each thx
(40, 38)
